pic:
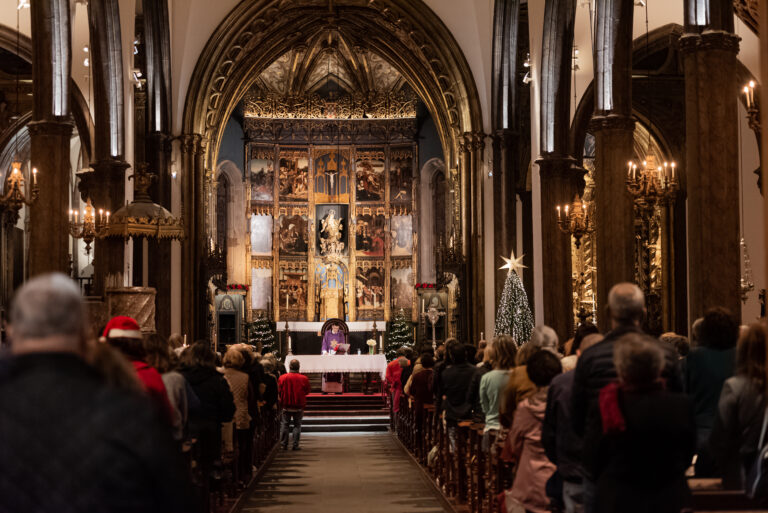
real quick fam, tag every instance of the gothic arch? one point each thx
(429, 171)
(406, 33)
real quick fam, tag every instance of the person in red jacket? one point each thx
(294, 388)
(124, 334)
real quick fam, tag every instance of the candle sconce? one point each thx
(575, 220)
(15, 195)
(88, 226)
(753, 111)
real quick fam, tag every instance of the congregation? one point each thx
(614, 422)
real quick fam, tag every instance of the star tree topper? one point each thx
(512, 263)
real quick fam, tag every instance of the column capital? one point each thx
(191, 143)
(611, 122)
(560, 168)
(709, 40)
(62, 127)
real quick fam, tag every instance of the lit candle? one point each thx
(101, 215)
(70, 215)
(751, 92)
(673, 171)
(381, 343)
(746, 96)
(566, 211)
(634, 172)
(107, 216)
(558, 212)
(289, 343)
(75, 216)
(185, 340)
(34, 176)
(286, 301)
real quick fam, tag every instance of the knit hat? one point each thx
(122, 327)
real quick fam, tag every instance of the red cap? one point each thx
(122, 327)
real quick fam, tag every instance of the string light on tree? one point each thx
(513, 316)
(400, 334)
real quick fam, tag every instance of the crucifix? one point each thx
(433, 315)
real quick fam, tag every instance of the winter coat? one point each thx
(562, 444)
(533, 467)
(216, 402)
(641, 469)
(704, 372)
(595, 370)
(270, 391)
(421, 388)
(455, 384)
(238, 385)
(70, 443)
(736, 432)
(176, 386)
(491, 390)
(518, 388)
(153, 384)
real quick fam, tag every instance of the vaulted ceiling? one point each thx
(330, 61)
(747, 10)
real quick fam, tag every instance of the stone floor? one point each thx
(344, 472)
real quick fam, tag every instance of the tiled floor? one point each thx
(344, 472)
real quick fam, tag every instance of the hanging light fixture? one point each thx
(576, 221)
(88, 226)
(15, 195)
(651, 182)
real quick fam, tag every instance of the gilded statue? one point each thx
(330, 235)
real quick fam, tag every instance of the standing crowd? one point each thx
(614, 422)
(127, 422)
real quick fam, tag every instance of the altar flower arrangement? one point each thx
(371, 345)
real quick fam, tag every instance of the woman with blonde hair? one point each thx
(238, 384)
(493, 383)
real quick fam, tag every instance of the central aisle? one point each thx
(344, 473)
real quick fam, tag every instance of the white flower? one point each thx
(370, 342)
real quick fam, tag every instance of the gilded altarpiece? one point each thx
(333, 208)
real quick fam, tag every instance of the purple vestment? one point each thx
(330, 337)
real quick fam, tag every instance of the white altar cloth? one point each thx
(340, 363)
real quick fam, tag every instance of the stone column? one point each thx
(49, 224)
(504, 204)
(712, 170)
(614, 217)
(474, 144)
(467, 244)
(190, 144)
(559, 184)
(50, 134)
(158, 153)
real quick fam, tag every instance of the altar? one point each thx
(306, 341)
(362, 363)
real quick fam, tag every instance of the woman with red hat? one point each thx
(124, 334)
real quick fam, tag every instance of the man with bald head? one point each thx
(595, 368)
(69, 441)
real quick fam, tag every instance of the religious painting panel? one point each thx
(292, 290)
(332, 175)
(331, 230)
(261, 234)
(370, 231)
(293, 175)
(402, 235)
(369, 291)
(261, 288)
(369, 175)
(331, 295)
(401, 175)
(293, 235)
(402, 288)
(262, 174)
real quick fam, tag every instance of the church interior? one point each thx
(365, 191)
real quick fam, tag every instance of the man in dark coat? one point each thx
(69, 441)
(455, 396)
(595, 368)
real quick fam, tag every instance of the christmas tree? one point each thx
(400, 334)
(260, 334)
(514, 315)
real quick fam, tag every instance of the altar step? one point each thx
(348, 412)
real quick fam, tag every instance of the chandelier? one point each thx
(576, 220)
(88, 227)
(15, 196)
(142, 217)
(652, 183)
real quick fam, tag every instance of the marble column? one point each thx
(712, 170)
(614, 217)
(559, 184)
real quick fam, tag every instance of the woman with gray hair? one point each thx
(645, 439)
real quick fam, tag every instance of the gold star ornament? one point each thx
(512, 263)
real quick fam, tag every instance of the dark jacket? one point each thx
(455, 384)
(216, 402)
(642, 469)
(69, 442)
(595, 369)
(704, 372)
(270, 392)
(736, 432)
(561, 443)
(474, 389)
(421, 388)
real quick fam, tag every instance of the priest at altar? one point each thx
(334, 343)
